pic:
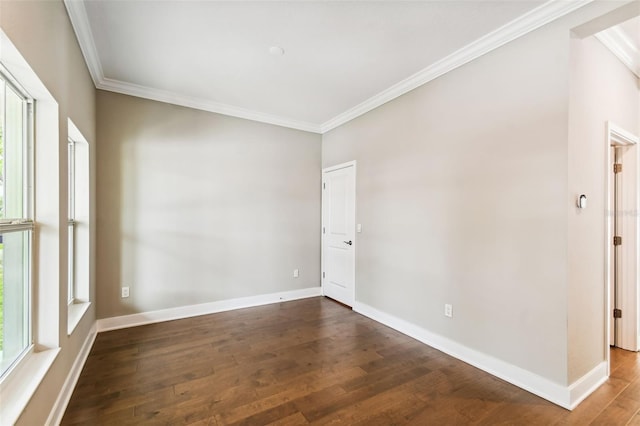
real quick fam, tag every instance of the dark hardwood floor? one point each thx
(311, 361)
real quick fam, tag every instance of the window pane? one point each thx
(71, 285)
(71, 161)
(78, 217)
(14, 296)
(15, 254)
(2, 89)
(13, 156)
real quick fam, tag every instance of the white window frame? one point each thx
(25, 223)
(18, 386)
(71, 165)
(78, 227)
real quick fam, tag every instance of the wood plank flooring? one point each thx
(312, 361)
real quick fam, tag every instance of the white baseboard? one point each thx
(584, 386)
(60, 406)
(566, 397)
(133, 320)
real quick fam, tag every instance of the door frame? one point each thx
(618, 136)
(353, 164)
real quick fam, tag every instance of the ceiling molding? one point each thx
(619, 44)
(80, 23)
(528, 22)
(202, 104)
(536, 18)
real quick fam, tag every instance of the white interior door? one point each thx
(628, 250)
(338, 232)
(616, 249)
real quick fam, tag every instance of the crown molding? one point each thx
(202, 104)
(547, 12)
(80, 23)
(624, 49)
(528, 22)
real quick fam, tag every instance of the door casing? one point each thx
(618, 137)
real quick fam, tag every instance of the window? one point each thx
(32, 326)
(78, 226)
(16, 223)
(72, 165)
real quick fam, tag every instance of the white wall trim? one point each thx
(181, 312)
(584, 386)
(202, 104)
(60, 406)
(620, 136)
(80, 23)
(547, 12)
(566, 397)
(75, 313)
(352, 163)
(619, 44)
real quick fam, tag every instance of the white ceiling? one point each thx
(341, 58)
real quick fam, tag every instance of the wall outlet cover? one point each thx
(448, 310)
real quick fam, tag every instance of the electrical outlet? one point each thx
(125, 292)
(296, 273)
(448, 310)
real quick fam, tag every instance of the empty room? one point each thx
(319, 212)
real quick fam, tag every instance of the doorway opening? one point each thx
(623, 161)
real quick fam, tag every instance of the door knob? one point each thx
(348, 242)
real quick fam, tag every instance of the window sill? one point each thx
(19, 386)
(75, 314)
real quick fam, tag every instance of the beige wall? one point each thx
(462, 190)
(602, 89)
(197, 207)
(43, 34)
